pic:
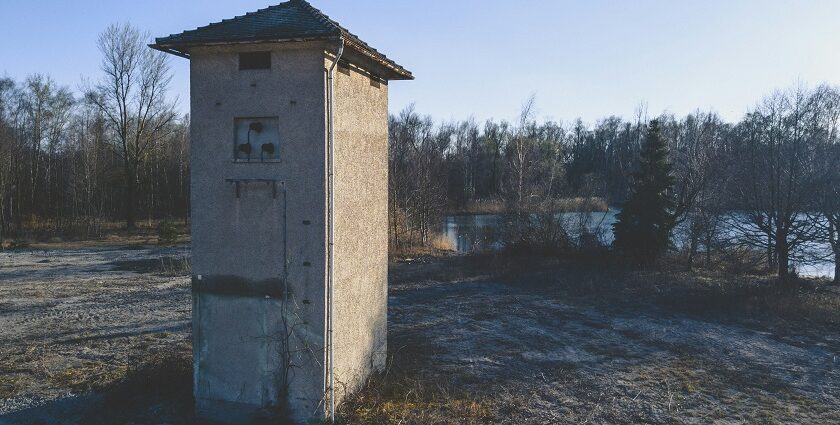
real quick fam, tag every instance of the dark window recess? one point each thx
(254, 60)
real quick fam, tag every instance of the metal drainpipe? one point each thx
(331, 227)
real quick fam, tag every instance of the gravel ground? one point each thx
(537, 358)
(523, 350)
(73, 319)
(532, 349)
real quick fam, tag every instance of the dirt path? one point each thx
(519, 351)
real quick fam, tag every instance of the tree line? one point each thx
(118, 151)
(71, 163)
(769, 183)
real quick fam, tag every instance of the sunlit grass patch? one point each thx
(455, 410)
(88, 376)
(441, 242)
(407, 393)
(10, 386)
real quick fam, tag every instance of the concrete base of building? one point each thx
(230, 413)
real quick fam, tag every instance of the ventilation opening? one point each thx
(254, 60)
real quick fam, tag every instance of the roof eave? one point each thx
(170, 50)
(182, 50)
(398, 72)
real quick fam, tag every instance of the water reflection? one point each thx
(470, 233)
(481, 232)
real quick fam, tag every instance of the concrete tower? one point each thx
(289, 212)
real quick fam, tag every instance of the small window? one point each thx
(254, 60)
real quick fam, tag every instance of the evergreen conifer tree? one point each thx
(643, 226)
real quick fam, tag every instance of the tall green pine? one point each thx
(643, 226)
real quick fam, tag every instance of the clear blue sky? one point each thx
(483, 58)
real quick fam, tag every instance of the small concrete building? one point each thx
(289, 212)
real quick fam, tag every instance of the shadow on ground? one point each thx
(158, 391)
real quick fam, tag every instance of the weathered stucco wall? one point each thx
(239, 255)
(259, 261)
(361, 233)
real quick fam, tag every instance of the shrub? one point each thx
(167, 232)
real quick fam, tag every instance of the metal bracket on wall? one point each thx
(272, 182)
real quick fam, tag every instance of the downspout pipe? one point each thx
(328, 354)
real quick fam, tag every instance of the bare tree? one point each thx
(132, 98)
(6, 155)
(467, 150)
(775, 178)
(827, 197)
(832, 233)
(534, 179)
(519, 158)
(93, 157)
(829, 218)
(697, 155)
(46, 110)
(496, 136)
(417, 185)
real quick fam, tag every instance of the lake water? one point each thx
(478, 232)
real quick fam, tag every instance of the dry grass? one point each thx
(405, 393)
(10, 386)
(176, 266)
(438, 245)
(47, 235)
(88, 376)
(440, 242)
(497, 206)
(737, 284)
(583, 205)
(438, 410)
(810, 300)
(482, 206)
(162, 380)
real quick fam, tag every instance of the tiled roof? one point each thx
(292, 20)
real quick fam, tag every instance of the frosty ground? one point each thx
(101, 335)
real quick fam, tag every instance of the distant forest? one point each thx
(769, 183)
(118, 151)
(69, 164)
(62, 170)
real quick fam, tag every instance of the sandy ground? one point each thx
(525, 350)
